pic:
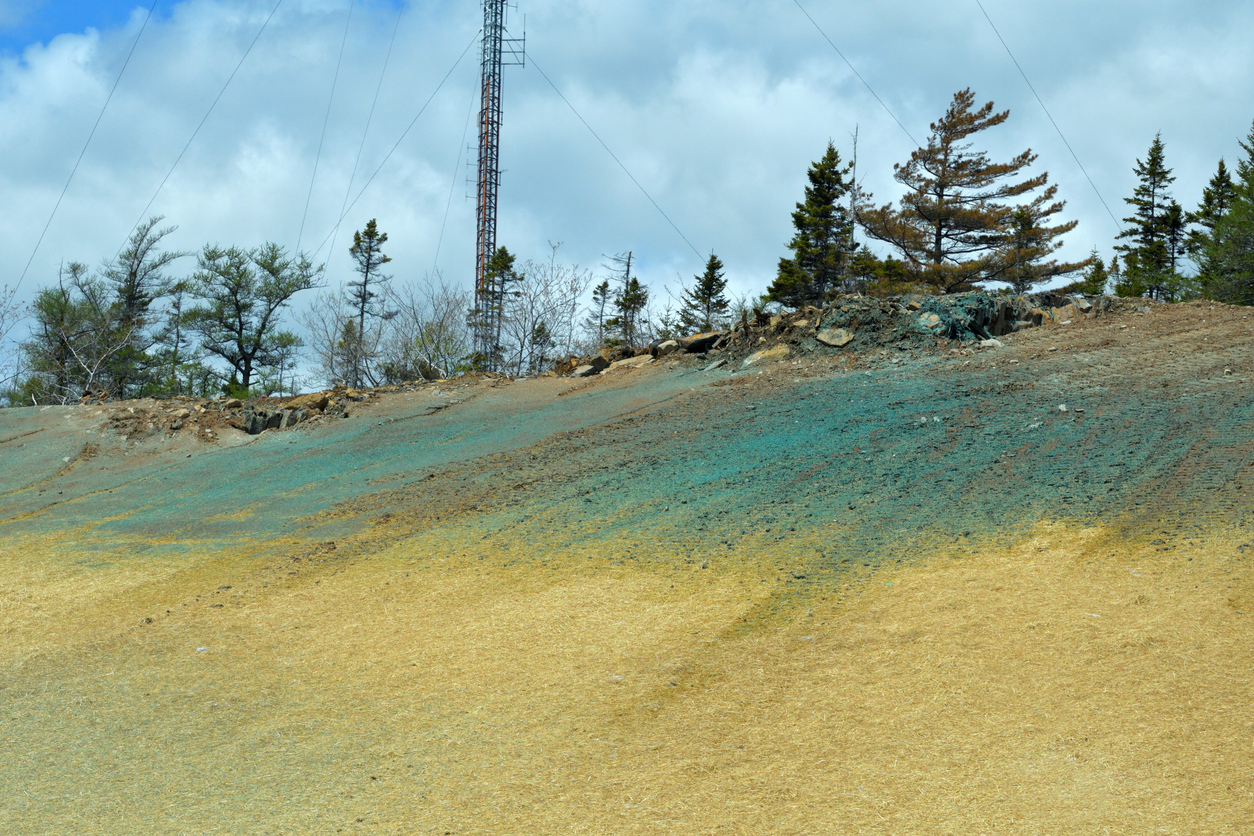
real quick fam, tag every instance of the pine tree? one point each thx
(630, 302)
(823, 243)
(1095, 278)
(705, 306)
(1227, 258)
(954, 222)
(366, 297)
(138, 279)
(1028, 242)
(499, 275)
(1217, 199)
(595, 322)
(1147, 260)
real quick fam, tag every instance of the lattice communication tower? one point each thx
(498, 51)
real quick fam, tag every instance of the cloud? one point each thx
(13, 12)
(717, 109)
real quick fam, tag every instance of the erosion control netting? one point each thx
(262, 489)
(867, 468)
(863, 466)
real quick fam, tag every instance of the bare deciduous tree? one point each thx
(542, 314)
(428, 338)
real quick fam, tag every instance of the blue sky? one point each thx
(23, 22)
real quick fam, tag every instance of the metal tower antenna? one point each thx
(498, 51)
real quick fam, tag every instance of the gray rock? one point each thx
(717, 364)
(667, 347)
(586, 370)
(292, 417)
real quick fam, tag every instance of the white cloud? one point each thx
(716, 108)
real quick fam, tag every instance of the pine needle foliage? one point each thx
(705, 306)
(960, 221)
(823, 244)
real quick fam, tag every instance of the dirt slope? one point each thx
(885, 591)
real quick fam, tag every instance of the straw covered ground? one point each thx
(879, 593)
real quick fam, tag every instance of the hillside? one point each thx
(903, 586)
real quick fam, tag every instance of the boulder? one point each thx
(251, 421)
(586, 370)
(835, 337)
(232, 403)
(182, 414)
(766, 355)
(700, 343)
(318, 401)
(930, 322)
(1066, 313)
(668, 347)
(631, 363)
(292, 417)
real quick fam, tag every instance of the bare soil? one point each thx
(889, 591)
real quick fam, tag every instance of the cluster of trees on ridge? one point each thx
(130, 328)
(965, 221)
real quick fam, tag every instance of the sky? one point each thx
(716, 108)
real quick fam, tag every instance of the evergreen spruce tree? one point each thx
(1148, 259)
(630, 302)
(705, 306)
(1095, 279)
(955, 225)
(366, 297)
(823, 243)
(1227, 258)
(1217, 199)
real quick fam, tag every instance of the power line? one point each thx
(855, 72)
(369, 119)
(202, 121)
(325, 119)
(73, 171)
(435, 264)
(1048, 114)
(615, 158)
(397, 145)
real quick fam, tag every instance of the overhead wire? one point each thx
(854, 70)
(613, 155)
(404, 134)
(461, 147)
(369, 118)
(325, 120)
(196, 132)
(1048, 114)
(77, 162)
